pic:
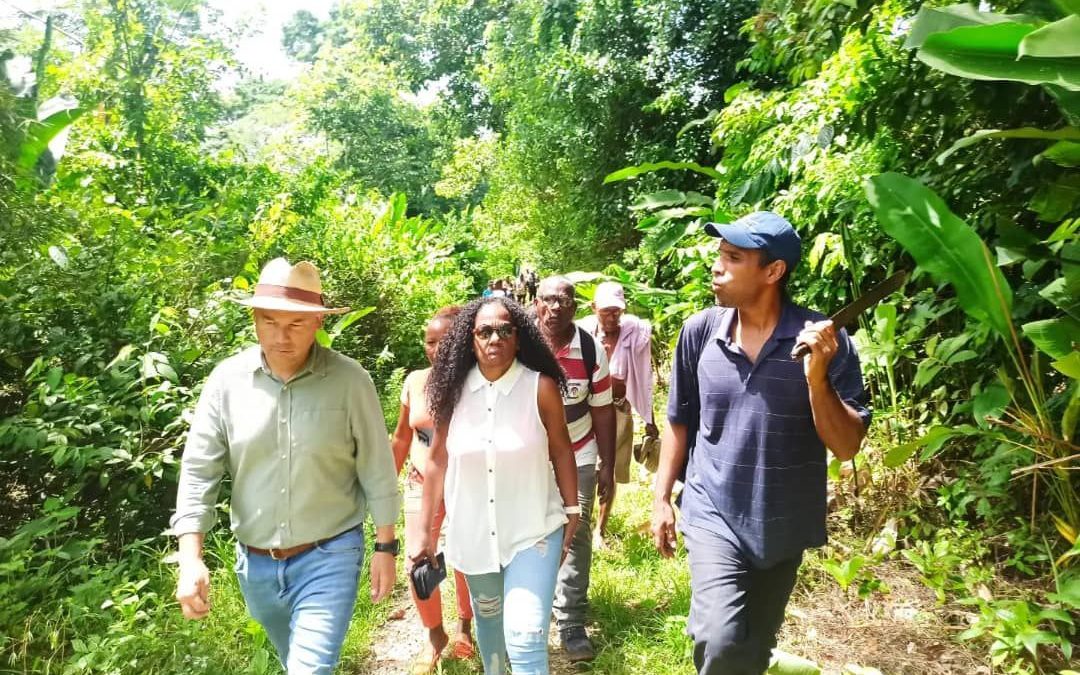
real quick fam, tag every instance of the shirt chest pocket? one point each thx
(322, 432)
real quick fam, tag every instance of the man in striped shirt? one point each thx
(590, 418)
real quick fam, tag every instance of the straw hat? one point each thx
(290, 288)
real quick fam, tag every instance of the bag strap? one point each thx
(588, 354)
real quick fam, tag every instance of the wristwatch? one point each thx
(391, 547)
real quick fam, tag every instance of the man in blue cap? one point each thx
(749, 425)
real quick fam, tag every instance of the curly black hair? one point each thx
(456, 358)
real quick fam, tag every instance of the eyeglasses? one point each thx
(564, 301)
(504, 330)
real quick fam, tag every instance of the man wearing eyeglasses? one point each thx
(590, 418)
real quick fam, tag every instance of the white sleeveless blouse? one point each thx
(500, 490)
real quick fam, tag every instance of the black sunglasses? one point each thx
(504, 330)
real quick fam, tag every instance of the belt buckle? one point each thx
(274, 553)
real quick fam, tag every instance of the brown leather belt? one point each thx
(282, 553)
(286, 553)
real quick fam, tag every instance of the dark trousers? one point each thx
(735, 609)
(572, 590)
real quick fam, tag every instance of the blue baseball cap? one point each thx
(762, 230)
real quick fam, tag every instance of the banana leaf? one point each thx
(944, 245)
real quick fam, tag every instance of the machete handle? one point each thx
(800, 352)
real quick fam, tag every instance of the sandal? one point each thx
(462, 647)
(422, 665)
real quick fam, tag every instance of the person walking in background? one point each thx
(590, 419)
(757, 422)
(412, 442)
(300, 429)
(501, 459)
(627, 342)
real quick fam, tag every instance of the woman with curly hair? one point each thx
(501, 458)
(412, 442)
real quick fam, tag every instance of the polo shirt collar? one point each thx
(788, 326)
(504, 384)
(575, 342)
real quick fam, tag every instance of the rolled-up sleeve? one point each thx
(203, 464)
(374, 458)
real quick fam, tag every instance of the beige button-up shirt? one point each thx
(309, 458)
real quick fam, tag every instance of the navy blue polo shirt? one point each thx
(757, 473)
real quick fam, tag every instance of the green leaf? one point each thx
(672, 235)
(989, 403)
(1060, 39)
(1068, 7)
(1064, 134)
(40, 133)
(123, 355)
(649, 167)
(1055, 337)
(1070, 365)
(1054, 201)
(155, 364)
(660, 199)
(323, 338)
(734, 90)
(1064, 293)
(348, 320)
(1033, 638)
(1068, 101)
(53, 378)
(944, 245)
(1071, 414)
(932, 440)
(932, 20)
(1062, 153)
(783, 663)
(991, 53)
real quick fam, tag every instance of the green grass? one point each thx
(119, 616)
(638, 601)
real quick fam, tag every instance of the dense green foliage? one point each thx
(430, 145)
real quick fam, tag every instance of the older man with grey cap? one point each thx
(300, 429)
(749, 425)
(627, 341)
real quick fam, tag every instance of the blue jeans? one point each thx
(304, 603)
(512, 609)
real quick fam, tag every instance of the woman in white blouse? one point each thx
(501, 460)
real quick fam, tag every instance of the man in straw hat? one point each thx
(300, 429)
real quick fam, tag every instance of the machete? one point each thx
(848, 314)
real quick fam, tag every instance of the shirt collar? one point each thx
(575, 342)
(788, 326)
(504, 384)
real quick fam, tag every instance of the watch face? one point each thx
(389, 547)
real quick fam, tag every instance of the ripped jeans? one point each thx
(512, 609)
